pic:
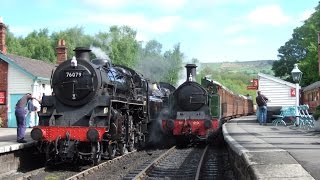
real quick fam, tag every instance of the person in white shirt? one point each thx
(33, 109)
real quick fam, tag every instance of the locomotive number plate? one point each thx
(73, 74)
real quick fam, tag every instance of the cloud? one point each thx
(242, 40)
(306, 14)
(198, 25)
(234, 29)
(103, 4)
(161, 5)
(157, 25)
(21, 30)
(268, 15)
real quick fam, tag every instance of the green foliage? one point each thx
(119, 43)
(124, 47)
(236, 76)
(316, 114)
(74, 37)
(301, 48)
(157, 66)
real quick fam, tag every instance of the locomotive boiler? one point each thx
(96, 110)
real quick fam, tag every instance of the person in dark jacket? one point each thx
(21, 112)
(262, 107)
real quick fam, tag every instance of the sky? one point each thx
(209, 30)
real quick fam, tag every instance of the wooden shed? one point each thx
(279, 92)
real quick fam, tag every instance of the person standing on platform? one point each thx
(33, 108)
(262, 106)
(21, 112)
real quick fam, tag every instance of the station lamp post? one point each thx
(296, 76)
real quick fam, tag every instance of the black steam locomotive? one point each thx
(198, 110)
(96, 110)
(190, 117)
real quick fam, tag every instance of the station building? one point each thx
(21, 75)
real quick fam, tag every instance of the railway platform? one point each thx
(273, 152)
(8, 140)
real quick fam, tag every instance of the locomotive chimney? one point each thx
(191, 72)
(3, 28)
(83, 53)
(61, 51)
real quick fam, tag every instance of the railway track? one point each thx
(64, 171)
(190, 163)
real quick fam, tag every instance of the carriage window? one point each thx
(313, 96)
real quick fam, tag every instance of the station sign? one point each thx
(255, 82)
(293, 92)
(252, 87)
(2, 97)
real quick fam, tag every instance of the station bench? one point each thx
(306, 120)
(285, 111)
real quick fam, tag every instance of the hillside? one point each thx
(246, 67)
(236, 76)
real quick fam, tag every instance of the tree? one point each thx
(38, 45)
(174, 59)
(157, 66)
(14, 44)
(301, 49)
(74, 37)
(124, 47)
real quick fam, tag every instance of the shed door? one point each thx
(14, 98)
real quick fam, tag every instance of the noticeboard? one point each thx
(2, 97)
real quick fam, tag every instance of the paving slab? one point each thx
(274, 152)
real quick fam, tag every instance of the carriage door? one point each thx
(215, 106)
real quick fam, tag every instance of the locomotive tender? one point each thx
(197, 111)
(96, 109)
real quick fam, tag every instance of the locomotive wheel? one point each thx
(111, 151)
(96, 154)
(142, 142)
(48, 155)
(121, 149)
(130, 146)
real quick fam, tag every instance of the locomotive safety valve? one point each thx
(37, 134)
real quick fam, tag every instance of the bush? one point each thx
(316, 114)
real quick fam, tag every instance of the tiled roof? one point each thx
(312, 86)
(37, 68)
